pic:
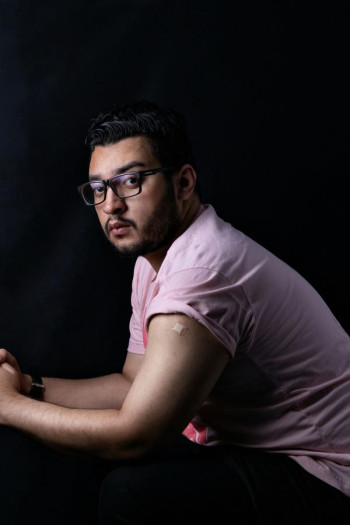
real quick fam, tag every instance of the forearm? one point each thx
(100, 392)
(94, 432)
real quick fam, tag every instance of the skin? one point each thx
(128, 415)
(146, 222)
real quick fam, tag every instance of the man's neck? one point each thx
(189, 212)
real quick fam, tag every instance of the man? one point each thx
(234, 399)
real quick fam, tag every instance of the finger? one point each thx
(5, 356)
(8, 368)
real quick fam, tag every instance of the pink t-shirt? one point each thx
(286, 388)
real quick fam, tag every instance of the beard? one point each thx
(160, 228)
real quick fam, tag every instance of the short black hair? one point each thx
(165, 128)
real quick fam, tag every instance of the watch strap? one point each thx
(37, 388)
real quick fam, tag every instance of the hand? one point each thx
(10, 386)
(6, 357)
(10, 380)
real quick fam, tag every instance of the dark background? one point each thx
(265, 91)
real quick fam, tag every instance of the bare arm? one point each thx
(176, 376)
(100, 392)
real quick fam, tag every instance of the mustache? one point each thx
(128, 222)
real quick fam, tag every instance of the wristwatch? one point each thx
(37, 388)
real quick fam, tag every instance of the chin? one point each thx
(136, 249)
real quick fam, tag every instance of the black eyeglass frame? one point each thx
(108, 184)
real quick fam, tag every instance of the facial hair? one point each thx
(160, 228)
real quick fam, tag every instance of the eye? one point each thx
(97, 187)
(129, 180)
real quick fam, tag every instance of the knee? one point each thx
(115, 498)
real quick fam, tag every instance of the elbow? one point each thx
(133, 449)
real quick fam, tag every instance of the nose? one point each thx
(113, 204)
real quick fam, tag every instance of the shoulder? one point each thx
(210, 243)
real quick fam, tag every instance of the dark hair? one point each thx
(165, 128)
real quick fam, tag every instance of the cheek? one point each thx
(100, 215)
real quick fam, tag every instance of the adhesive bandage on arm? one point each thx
(179, 328)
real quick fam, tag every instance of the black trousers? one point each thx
(195, 484)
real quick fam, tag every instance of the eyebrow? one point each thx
(126, 168)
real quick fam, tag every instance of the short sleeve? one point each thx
(142, 287)
(208, 297)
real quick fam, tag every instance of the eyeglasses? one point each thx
(123, 186)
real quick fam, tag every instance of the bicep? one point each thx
(182, 363)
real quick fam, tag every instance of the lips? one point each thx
(118, 228)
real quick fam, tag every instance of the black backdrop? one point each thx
(266, 95)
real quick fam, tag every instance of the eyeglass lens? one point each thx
(126, 185)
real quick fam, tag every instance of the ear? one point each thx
(186, 180)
